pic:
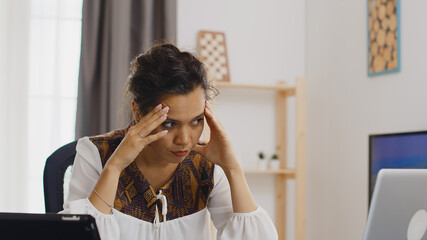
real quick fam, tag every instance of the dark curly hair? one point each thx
(164, 71)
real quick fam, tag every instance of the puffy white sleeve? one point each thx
(86, 171)
(254, 225)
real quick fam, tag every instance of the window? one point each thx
(54, 54)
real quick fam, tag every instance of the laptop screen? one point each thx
(48, 226)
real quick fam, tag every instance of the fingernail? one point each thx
(165, 109)
(158, 107)
(164, 131)
(164, 116)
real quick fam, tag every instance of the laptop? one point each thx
(399, 206)
(47, 226)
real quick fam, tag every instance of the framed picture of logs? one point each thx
(383, 36)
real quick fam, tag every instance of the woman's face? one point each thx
(185, 121)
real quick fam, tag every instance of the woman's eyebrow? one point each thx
(198, 116)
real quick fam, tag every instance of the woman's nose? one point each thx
(183, 136)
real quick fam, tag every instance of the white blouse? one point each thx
(86, 171)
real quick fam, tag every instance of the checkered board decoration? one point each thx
(213, 53)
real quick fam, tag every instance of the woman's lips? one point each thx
(180, 153)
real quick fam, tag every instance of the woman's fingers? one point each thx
(154, 137)
(208, 106)
(140, 136)
(149, 126)
(155, 110)
(212, 120)
(155, 116)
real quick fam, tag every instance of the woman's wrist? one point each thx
(113, 168)
(103, 194)
(232, 169)
(241, 196)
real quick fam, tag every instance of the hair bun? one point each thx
(163, 71)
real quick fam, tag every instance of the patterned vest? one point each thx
(187, 192)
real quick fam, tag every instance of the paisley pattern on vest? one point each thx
(187, 191)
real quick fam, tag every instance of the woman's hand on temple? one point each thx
(219, 149)
(138, 137)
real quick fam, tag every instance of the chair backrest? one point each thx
(58, 165)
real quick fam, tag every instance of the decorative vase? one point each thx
(274, 164)
(262, 164)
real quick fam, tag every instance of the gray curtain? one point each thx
(113, 32)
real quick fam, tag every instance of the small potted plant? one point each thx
(262, 162)
(274, 162)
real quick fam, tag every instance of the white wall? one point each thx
(266, 37)
(266, 44)
(345, 106)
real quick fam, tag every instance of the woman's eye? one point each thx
(197, 121)
(168, 124)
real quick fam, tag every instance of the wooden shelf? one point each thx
(289, 172)
(283, 91)
(281, 87)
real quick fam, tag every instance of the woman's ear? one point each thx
(136, 115)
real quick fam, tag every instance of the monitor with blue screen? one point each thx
(397, 150)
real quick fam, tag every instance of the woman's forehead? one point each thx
(187, 106)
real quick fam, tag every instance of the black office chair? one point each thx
(53, 176)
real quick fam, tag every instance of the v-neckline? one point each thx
(140, 176)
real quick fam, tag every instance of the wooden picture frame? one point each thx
(383, 36)
(213, 53)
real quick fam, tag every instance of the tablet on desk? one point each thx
(48, 226)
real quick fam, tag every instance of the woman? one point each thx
(154, 180)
